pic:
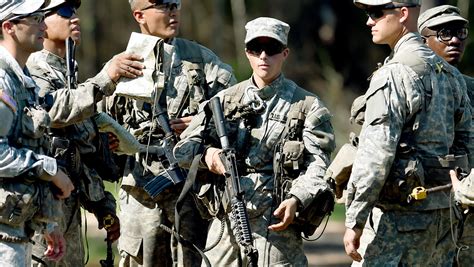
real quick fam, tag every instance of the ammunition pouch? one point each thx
(292, 157)
(309, 219)
(18, 202)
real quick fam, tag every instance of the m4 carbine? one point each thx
(233, 192)
(172, 174)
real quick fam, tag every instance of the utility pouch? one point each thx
(34, 122)
(340, 169)
(293, 157)
(309, 219)
(17, 203)
(405, 174)
(207, 194)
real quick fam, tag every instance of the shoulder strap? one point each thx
(301, 104)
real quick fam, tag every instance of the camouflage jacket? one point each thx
(266, 131)
(71, 113)
(195, 74)
(425, 86)
(25, 197)
(470, 92)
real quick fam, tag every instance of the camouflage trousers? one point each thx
(282, 248)
(143, 242)
(70, 226)
(465, 254)
(15, 254)
(396, 238)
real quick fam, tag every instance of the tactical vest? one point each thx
(408, 169)
(193, 66)
(26, 199)
(26, 132)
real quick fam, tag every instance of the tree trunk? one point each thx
(239, 17)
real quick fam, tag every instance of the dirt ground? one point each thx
(328, 251)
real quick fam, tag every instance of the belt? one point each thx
(449, 161)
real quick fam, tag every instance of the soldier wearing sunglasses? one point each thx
(445, 31)
(70, 112)
(193, 74)
(261, 112)
(27, 174)
(416, 121)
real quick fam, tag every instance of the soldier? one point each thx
(445, 32)
(27, 174)
(195, 75)
(416, 123)
(73, 126)
(260, 111)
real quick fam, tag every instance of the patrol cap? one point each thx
(10, 8)
(364, 3)
(54, 3)
(439, 15)
(267, 27)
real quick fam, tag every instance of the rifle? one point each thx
(172, 174)
(233, 191)
(70, 63)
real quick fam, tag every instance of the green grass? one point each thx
(338, 213)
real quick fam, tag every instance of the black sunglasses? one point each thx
(447, 34)
(271, 48)
(65, 11)
(376, 12)
(163, 8)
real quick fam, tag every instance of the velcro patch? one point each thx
(10, 102)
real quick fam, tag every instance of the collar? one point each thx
(409, 37)
(53, 60)
(271, 89)
(23, 74)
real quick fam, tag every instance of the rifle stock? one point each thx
(233, 190)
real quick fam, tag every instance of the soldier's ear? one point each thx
(7, 27)
(139, 17)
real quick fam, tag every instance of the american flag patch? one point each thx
(10, 102)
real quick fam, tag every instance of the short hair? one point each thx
(133, 4)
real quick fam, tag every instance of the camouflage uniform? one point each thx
(142, 242)
(257, 178)
(465, 257)
(432, 21)
(26, 202)
(414, 91)
(73, 122)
